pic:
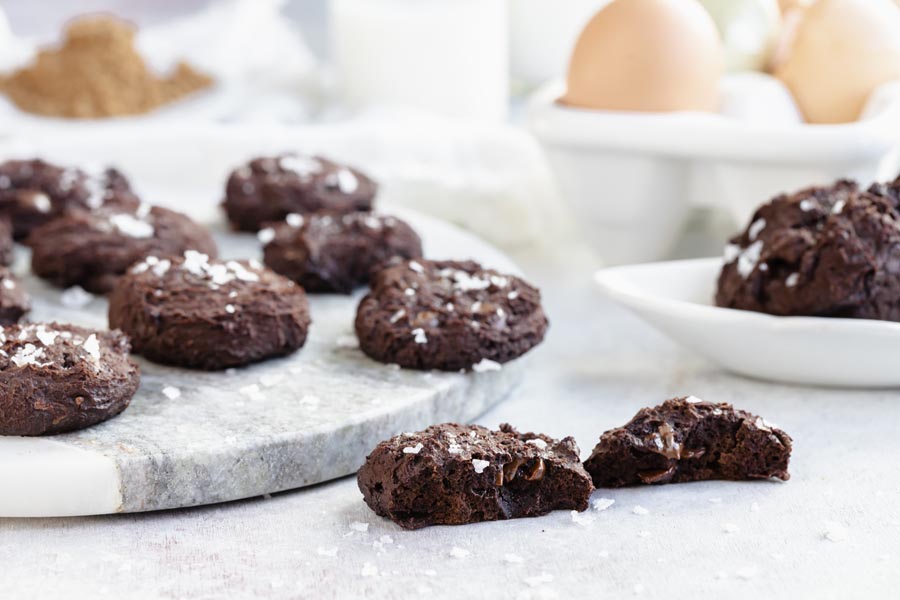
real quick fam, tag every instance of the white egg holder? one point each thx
(632, 178)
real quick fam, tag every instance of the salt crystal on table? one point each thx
(640, 510)
(715, 500)
(75, 297)
(601, 504)
(513, 558)
(171, 392)
(347, 341)
(359, 526)
(457, 552)
(271, 379)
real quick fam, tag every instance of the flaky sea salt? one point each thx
(479, 465)
(413, 449)
(359, 526)
(75, 297)
(171, 392)
(131, 226)
(537, 443)
(92, 346)
(265, 235)
(457, 552)
(749, 258)
(756, 228)
(640, 510)
(419, 336)
(414, 266)
(601, 504)
(792, 279)
(513, 558)
(41, 202)
(295, 220)
(485, 365)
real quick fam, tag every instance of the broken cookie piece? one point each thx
(686, 439)
(453, 474)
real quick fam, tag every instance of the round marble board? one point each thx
(274, 426)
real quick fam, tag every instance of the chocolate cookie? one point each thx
(205, 314)
(685, 439)
(7, 249)
(448, 315)
(454, 474)
(269, 189)
(824, 251)
(335, 253)
(32, 192)
(56, 378)
(94, 249)
(14, 300)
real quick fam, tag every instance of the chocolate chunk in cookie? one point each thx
(269, 189)
(448, 315)
(56, 378)
(825, 251)
(206, 314)
(685, 439)
(7, 247)
(94, 249)
(14, 300)
(454, 474)
(336, 253)
(32, 192)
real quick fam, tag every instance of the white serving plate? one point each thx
(676, 298)
(632, 177)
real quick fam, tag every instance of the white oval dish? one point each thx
(676, 298)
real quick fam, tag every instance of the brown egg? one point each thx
(647, 55)
(841, 50)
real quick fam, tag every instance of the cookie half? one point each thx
(268, 189)
(686, 439)
(56, 378)
(33, 192)
(448, 315)
(14, 300)
(94, 249)
(336, 253)
(824, 251)
(199, 313)
(454, 474)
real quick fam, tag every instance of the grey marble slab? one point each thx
(274, 426)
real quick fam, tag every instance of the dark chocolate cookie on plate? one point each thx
(32, 192)
(824, 251)
(268, 189)
(336, 253)
(448, 315)
(199, 313)
(454, 474)
(14, 300)
(686, 439)
(93, 249)
(56, 378)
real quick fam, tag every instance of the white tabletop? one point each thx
(833, 530)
